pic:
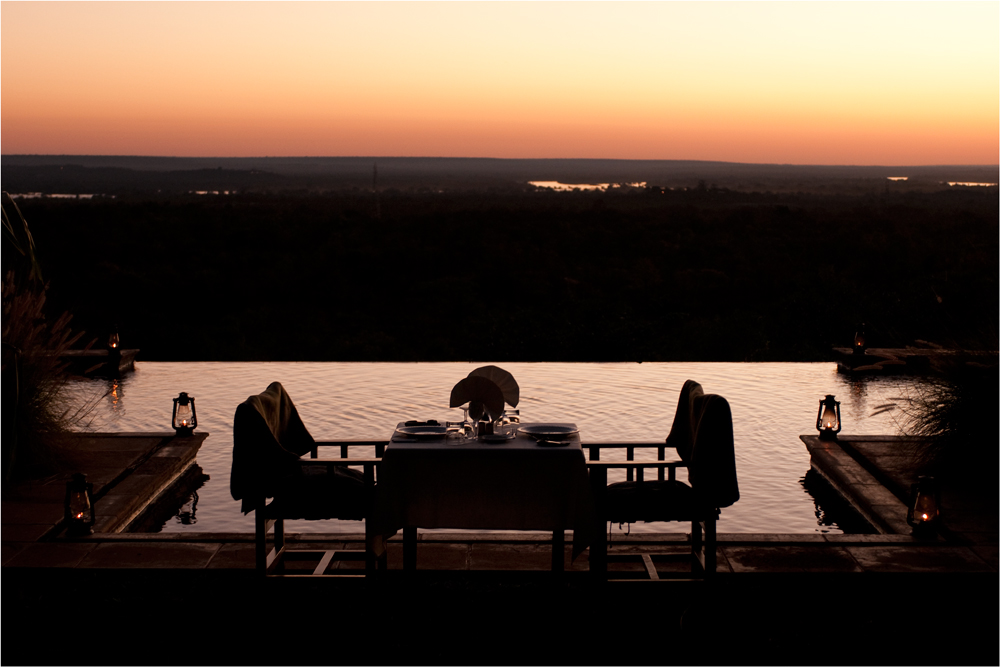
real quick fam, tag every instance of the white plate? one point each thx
(424, 432)
(548, 430)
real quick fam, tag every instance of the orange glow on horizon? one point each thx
(799, 83)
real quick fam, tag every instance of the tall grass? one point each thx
(37, 411)
(956, 417)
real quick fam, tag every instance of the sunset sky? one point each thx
(892, 83)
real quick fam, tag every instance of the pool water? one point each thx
(772, 404)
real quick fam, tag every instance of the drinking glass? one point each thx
(500, 425)
(456, 434)
(469, 427)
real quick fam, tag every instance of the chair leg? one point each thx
(710, 546)
(697, 546)
(260, 541)
(703, 545)
(373, 563)
(598, 543)
(262, 554)
(279, 534)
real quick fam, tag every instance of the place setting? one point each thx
(549, 435)
(483, 396)
(488, 397)
(415, 431)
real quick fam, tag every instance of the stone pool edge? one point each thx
(32, 516)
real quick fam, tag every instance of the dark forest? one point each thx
(703, 272)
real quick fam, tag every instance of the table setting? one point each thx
(488, 397)
(488, 471)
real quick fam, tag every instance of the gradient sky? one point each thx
(892, 83)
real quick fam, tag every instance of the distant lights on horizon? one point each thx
(980, 185)
(568, 187)
(949, 183)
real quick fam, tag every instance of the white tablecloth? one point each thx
(516, 485)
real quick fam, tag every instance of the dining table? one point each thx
(533, 479)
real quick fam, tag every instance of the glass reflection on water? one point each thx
(186, 513)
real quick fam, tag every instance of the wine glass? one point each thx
(469, 428)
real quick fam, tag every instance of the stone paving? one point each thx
(874, 474)
(488, 598)
(130, 469)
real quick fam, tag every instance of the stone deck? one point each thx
(489, 598)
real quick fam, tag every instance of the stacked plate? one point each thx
(549, 435)
(426, 432)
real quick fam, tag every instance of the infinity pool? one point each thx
(772, 404)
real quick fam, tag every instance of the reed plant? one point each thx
(38, 411)
(955, 420)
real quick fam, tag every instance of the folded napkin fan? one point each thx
(482, 395)
(503, 379)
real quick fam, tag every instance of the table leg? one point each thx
(558, 550)
(598, 543)
(409, 549)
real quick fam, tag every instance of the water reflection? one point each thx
(833, 513)
(186, 514)
(177, 506)
(115, 394)
(772, 403)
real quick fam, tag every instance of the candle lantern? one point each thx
(924, 505)
(859, 340)
(113, 341)
(79, 507)
(184, 419)
(828, 418)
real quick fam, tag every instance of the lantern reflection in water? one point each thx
(186, 514)
(115, 396)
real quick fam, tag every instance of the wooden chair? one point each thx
(702, 435)
(269, 441)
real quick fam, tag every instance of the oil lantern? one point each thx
(859, 340)
(924, 507)
(113, 341)
(79, 508)
(828, 418)
(184, 419)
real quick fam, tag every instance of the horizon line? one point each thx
(497, 159)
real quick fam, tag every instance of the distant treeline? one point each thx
(141, 176)
(701, 274)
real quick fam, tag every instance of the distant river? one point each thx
(772, 404)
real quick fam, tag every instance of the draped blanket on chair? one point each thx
(268, 440)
